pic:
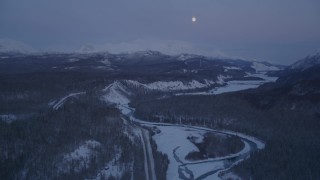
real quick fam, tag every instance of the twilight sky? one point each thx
(279, 31)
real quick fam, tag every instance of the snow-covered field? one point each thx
(172, 137)
(233, 86)
(173, 141)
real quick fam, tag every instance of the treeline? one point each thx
(161, 161)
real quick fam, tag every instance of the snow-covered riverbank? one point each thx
(172, 139)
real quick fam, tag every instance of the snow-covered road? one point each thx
(57, 104)
(149, 167)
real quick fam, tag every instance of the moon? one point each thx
(193, 19)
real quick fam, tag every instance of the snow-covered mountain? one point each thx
(88, 48)
(307, 62)
(178, 72)
(11, 46)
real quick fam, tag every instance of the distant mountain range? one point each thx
(151, 70)
(147, 67)
(53, 106)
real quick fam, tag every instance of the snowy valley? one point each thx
(148, 115)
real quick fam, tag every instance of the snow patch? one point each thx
(203, 168)
(231, 67)
(221, 79)
(171, 85)
(83, 151)
(69, 68)
(261, 67)
(116, 93)
(112, 168)
(178, 85)
(82, 155)
(8, 118)
(106, 62)
(229, 176)
(73, 60)
(233, 86)
(227, 68)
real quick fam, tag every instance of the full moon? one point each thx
(193, 19)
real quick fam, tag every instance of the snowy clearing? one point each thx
(116, 93)
(112, 168)
(8, 118)
(233, 86)
(169, 139)
(82, 155)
